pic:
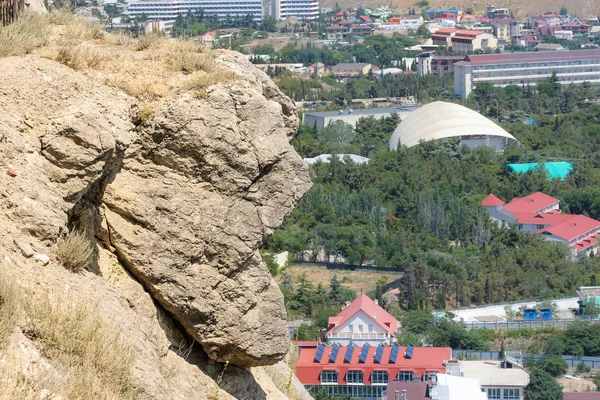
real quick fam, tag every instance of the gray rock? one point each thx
(25, 247)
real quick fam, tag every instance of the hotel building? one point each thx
(501, 70)
(169, 10)
(302, 9)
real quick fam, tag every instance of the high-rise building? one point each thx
(302, 9)
(169, 10)
(526, 69)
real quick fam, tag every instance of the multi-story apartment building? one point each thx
(576, 66)
(302, 9)
(429, 63)
(465, 41)
(443, 37)
(506, 29)
(165, 10)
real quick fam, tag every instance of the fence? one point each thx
(10, 10)
(506, 325)
(348, 267)
(528, 359)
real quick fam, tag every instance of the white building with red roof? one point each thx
(540, 213)
(364, 372)
(362, 322)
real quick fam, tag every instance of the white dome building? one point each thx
(440, 120)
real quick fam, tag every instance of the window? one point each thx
(493, 393)
(351, 328)
(370, 328)
(329, 377)
(520, 226)
(428, 376)
(511, 394)
(379, 378)
(405, 376)
(355, 377)
(360, 328)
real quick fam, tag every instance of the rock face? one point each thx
(199, 190)
(180, 202)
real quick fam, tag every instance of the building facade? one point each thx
(362, 322)
(302, 9)
(364, 372)
(429, 63)
(169, 10)
(465, 41)
(501, 70)
(540, 214)
(351, 70)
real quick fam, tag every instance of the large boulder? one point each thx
(204, 183)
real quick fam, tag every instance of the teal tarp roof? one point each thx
(556, 169)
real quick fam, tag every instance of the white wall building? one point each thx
(169, 10)
(302, 9)
(499, 383)
(362, 322)
(530, 68)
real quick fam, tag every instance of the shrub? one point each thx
(554, 365)
(79, 57)
(581, 367)
(94, 357)
(9, 307)
(74, 251)
(25, 35)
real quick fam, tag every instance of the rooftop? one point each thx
(507, 58)
(365, 112)
(491, 201)
(365, 304)
(424, 359)
(489, 373)
(532, 203)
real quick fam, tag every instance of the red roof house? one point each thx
(368, 365)
(362, 322)
(540, 213)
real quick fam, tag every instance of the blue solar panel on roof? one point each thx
(379, 353)
(334, 353)
(394, 354)
(409, 351)
(320, 351)
(363, 353)
(349, 352)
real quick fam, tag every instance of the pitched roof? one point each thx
(368, 306)
(423, 359)
(571, 228)
(532, 203)
(581, 396)
(491, 201)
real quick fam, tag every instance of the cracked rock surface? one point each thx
(200, 188)
(182, 201)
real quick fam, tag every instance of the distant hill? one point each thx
(520, 8)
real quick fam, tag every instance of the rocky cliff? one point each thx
(173, 193)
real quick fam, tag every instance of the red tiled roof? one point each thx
(593, 54)
(446, 30)
(581, 396)
(335, 28)
(532, 203)
(491, 201)
(584, 244)
(424, 359)
(467, 33)
(365, 18)
(573, 227)
(541, 218)
(365, 304)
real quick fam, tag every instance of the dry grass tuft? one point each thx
(149, 41)
(74, 251)
(79, 57)
(188, 62)
(9, 307)
(144, 87)
(94, 357)
(199, 81)
(22, 37)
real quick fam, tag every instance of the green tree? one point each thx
(563, 11)
(542, 386)
(592, 309)
(554, 365)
